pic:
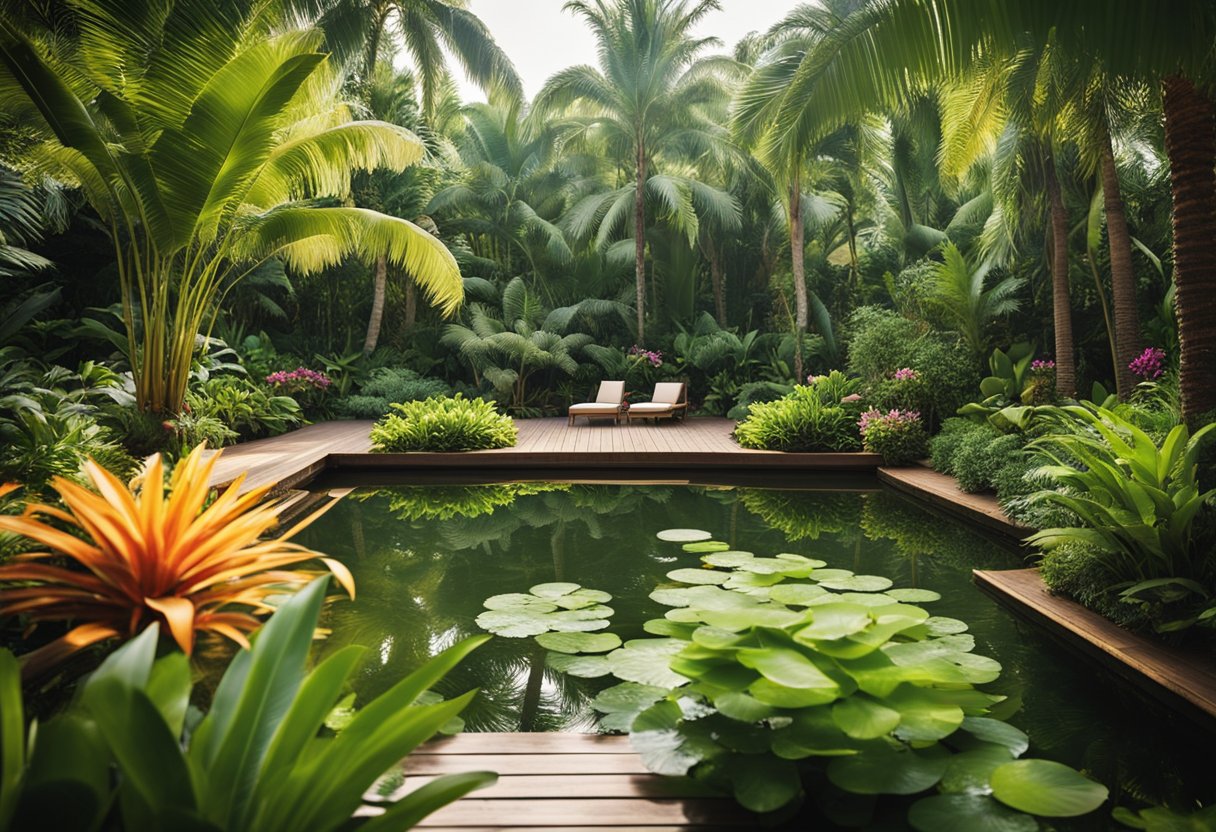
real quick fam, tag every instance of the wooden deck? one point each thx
(942, 492)
(566, 782)
(1182, 679)
(699, 443)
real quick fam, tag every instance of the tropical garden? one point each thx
(977, 235)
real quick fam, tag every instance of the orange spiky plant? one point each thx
(152, 554)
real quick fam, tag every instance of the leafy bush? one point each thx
(444, 502)
(898, 436)
(883, 342)
(258, 759)
(1082, 571)
(754, 392)
(980, 455)
(148, 552)
(801, 515)
(1140, 505)
(386, 387)
(943, 446)
(811, 418)
(236, 402)
(444, 424)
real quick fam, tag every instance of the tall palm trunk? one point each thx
(1190, 144)
(797, 244)
(1122, 275)
(373, 323)
(639, 240)
(411, 304)
(718, 282)
(1061, 300)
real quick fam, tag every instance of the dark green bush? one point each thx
(246, 408)
(943, 446)
(1081, 572)
(388, 386)
(980, 455)
(811, 418)
(443, 424)
(899, 437)
(755, 392)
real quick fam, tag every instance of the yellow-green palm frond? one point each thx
(310, 239)
(973, 115)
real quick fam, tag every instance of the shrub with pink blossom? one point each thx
(906, 374)
(1150, 364)
(653, 356)
(1041, 385)
(897, 435)
(304, 385)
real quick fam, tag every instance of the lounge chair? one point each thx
(670, 401)
(607, 402)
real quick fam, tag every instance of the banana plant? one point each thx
(125, 752)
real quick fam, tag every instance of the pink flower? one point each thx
(1149, 364)
(906, 374)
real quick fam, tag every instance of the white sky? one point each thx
(541, 39)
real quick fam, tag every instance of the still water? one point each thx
(425, 557)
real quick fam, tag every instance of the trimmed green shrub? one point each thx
(1082, 572)
(245, 408)
(811, 418)
(387, 386)
(444, 424)
(898, 436)
(943, 446)
(980, 455)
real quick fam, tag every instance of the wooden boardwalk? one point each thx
(942, 492)
(569, 782)
(699, 443)
(1182, 679)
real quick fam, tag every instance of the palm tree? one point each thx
(355, 31)
(646, 100)
(200, 138)
(960, 289)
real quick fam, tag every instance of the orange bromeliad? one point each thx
(151, 553)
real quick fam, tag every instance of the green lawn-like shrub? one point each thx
(240, 405)
(444, 424)
(943, 446)
(981, 455)
(811, 418)
(386, 387)
(898, 436)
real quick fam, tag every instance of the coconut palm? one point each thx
(201, 138)
(646, 101)
(961, 289)
(356, 29)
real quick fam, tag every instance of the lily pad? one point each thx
(858, 583)
(706, 546)
(940, 626)
(579, 642)
(554, 590)
(888, 772)
(797, 595)
(1000, 733)
(627, 696)
(966, 813)
(914, 596)
(519, 601)
(513, 624)
(729, 559)
(552, 607)
(1046, 788)
(683, 535)
(698, 576)
(647, 665)
(586, 667)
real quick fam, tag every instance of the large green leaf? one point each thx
(1046, 788)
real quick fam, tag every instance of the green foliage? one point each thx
(1083, 572)
(900, 441)
(443, 424)
(979, 457)
(122, 753)
(1138, 503)
(444, 502)
(782, 669)
(1163, 819)
(235, 402)
(387, 386)
(801, 515)
(943, 446)
(959, 291)
(811, 418)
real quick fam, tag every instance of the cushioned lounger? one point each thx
(607, 403)
(669, 401)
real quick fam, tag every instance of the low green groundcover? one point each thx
(444, 424)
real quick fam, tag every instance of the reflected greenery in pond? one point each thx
(424, 570)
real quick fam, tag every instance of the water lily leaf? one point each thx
(683, 535)
(1000, 733)
(554, 590)
(764, 784)
(581, 598)
(924, 716)
(970, 771)
(663, 749)
(518, 601)
(702, 597)
(579, 642)
(858, 583)
(698, 576)
(746, 581)
(781, 696)
(740, 706)
(939, 626)
(513, 624)
(863, 718)
(1046, 788)
(833, 621)
(786, 666)
(774, 566)
(647, 665)
(586, 667)
(801, 560)
(865, 599)
(822, 575)
(729, 559)
(585, 614)
(627, 696)
(706, 546)
(966, 813)
(889, 772)
(577, 625)
(797, 595)
(716, 638)
(744, 619)
(813, 733)
(622, 721)
(664, 627)
(914, 596)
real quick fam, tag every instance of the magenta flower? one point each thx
(299, 379)
(893, 418)
(1039, 364)
(1150, 364)
(653, 356)
(906, 374)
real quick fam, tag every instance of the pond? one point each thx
(425, 557)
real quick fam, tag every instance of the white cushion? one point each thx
(594, 407)
(650, 407)
(667, 392)
(610, 392)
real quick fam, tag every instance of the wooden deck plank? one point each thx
(535, 742)
(613, 814)
(597, 763)
(616, 786)
(700, 443)
(1184, 679)
(943, 492)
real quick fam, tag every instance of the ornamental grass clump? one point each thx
(444, 424)
(898, 435)
(151, 553)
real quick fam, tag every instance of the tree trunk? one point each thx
(1122, 274)
(411, 304)
(639, 241)
(801, 315)
(1190, 144)
(719, 285)
(373, 323)
(1061, 301)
